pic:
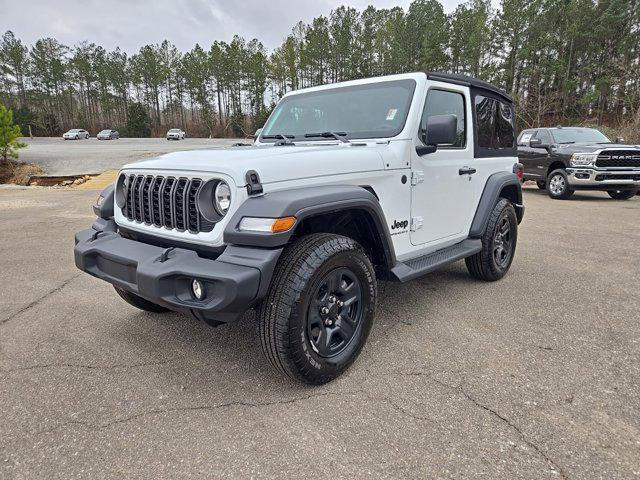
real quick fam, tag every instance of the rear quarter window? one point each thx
(495, 132)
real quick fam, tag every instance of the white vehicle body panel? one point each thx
(446, 201)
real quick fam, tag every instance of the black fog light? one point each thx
(197, 288)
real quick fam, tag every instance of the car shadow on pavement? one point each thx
(185, 349)
(579, 195)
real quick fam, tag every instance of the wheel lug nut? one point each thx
(325, 310)
(340, 303)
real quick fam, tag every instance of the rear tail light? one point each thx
(518, 170)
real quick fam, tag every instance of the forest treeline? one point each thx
(563, 61)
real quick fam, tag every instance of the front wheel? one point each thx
(319, 309)
(558, 185)
(622, 194)
(139, 302)
(498, 244)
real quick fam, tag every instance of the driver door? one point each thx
(442, 195)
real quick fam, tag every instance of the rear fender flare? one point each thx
(493, 190)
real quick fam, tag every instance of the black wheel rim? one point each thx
(502, 242)
(335, 312)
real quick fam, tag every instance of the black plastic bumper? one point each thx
(234, 282)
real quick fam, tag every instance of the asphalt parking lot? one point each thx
(536, 376)
(79, 157)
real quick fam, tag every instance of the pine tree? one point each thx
(9, 135)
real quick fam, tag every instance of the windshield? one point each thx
(372, 110)
(105, 131)
(579, 135)
(74, 130)
(174, 130)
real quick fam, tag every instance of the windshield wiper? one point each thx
(565, 143)
(286, 139)
(336, 135)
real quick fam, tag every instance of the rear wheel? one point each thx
(558, 185)
(498, 244)
(541, 184)
(139, 302)
(319, 309)
(622, 194)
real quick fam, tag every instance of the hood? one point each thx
(273, 163)
(592, 147)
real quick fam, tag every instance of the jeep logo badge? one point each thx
(402, 224)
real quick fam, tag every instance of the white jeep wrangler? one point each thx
(384, 178)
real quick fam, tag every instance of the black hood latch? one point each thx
(254, 187)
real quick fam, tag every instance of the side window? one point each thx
(442, 102)
(545, 136)
(495, 123)
(524, 138)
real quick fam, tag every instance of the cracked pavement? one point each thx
(536, 376)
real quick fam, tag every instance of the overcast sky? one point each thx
(134, 23)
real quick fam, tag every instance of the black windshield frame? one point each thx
(409, 84)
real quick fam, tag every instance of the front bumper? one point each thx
(234, 282)
(594, 178)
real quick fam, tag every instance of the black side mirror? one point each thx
(440, 130)
(537, 143)
(619, 140)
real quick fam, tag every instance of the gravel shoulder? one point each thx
(536, 376)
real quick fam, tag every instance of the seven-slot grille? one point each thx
(169, 202)
(619, 159)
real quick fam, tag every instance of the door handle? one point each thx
(467, 171)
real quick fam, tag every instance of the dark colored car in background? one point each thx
(565, 159)
(108, 135)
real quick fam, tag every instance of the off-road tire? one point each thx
(622, 194)
(542, 185)
(566, 192)
(283, 317)
(139, 302)
(483, 265)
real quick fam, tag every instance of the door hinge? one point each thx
(417, 177)
(416, 223)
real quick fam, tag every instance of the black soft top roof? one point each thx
(460, 79)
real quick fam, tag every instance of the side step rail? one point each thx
(416, 267)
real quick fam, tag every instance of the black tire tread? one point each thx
(623, 194)
(568, 192)
(479, 265)
(296, 266)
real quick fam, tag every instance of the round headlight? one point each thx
(222, 197)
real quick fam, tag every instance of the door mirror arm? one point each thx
(425, 149)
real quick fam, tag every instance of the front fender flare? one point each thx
(305, 203)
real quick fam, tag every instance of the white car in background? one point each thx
(76, 134)
(176, 134)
